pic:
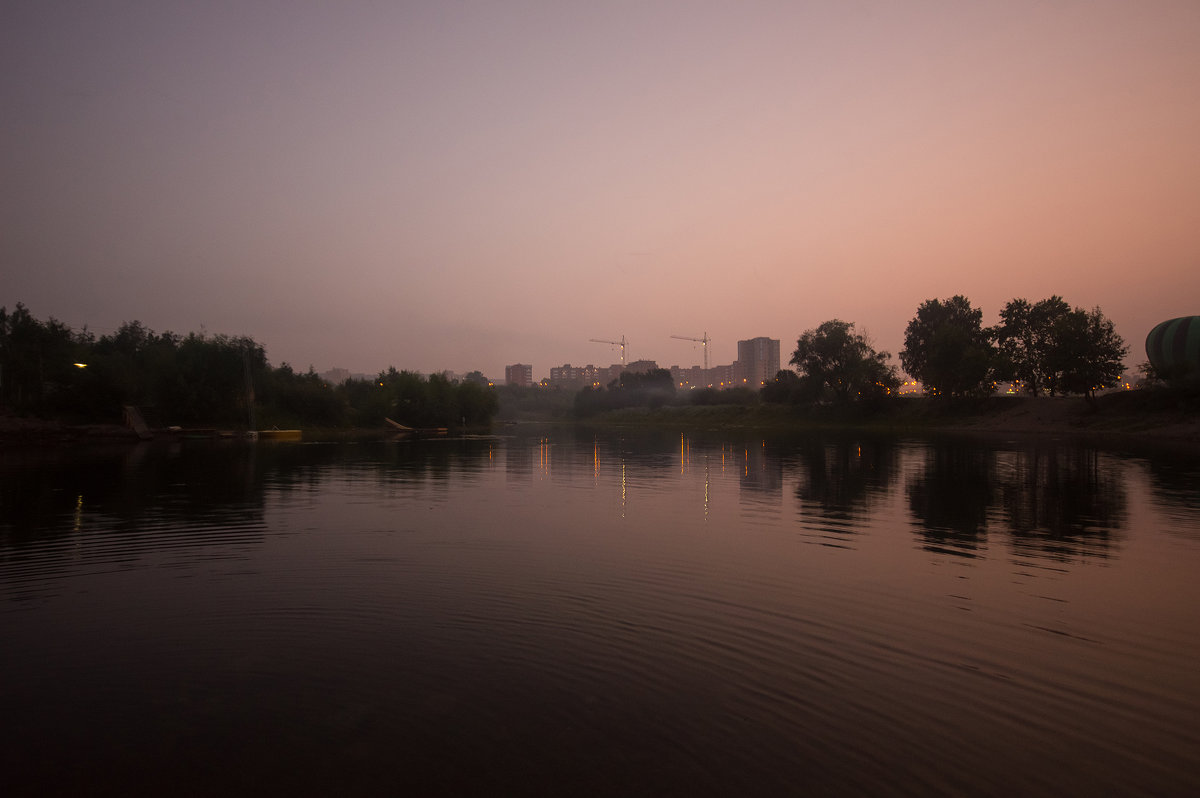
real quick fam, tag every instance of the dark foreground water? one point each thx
(570, 614)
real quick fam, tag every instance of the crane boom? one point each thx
(621, 343)
(703, 342)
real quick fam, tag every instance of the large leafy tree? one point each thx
(947, 348)
(208, 381)
(134, 365)
(1025, 339)
(417, 401)
(835, 358)
(36, 358)
(1087, 353)
(652, 381)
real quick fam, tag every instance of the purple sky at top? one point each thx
(463, 185)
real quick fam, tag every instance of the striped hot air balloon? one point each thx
(1174, 346)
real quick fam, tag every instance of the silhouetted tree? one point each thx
(837, 359)
(477, 378)
(135, 366)
(208, 383)
(477, 403)
(786, 388)
(654, 380)
(1025, 339)
(290, 399)
(413, 400)
(208, 379)
(36, 359)
(1087, 353)
(947, 348)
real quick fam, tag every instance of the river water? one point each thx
(577, 613)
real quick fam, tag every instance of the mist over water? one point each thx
(571, 612)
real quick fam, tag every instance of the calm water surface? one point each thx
(569, 613)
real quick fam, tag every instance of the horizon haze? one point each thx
(464, 186)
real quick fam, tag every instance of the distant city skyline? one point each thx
(470, 185)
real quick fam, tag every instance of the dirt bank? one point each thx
(28, 430)
(1146, 417)
(1153, 417)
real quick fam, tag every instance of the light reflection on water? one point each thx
(607, 613)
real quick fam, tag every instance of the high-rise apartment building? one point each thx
(758, 361)
(519, 374)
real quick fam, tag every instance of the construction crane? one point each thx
(703, 342)
(620, 343)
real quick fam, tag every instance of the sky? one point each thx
(465, 185)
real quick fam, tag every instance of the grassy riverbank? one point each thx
(1158, 415)
(1149, 415)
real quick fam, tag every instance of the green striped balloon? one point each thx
(1174, 346)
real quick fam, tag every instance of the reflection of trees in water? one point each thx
(1061, 502)
(950, 498)
(839, 480)
(435, 460)
(195, 484)
(837, 484)
(131, 492)
(1056, 502)
(1175, 488)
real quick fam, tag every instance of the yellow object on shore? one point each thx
(279, 434)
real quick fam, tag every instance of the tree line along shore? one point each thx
(54, 379)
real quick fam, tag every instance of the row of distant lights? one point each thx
(908, 386)
(1014, 387)
(681, 385)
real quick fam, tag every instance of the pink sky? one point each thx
(465, 185)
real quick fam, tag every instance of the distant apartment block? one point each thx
(758, 361)
(567, 375)
(721, 377)
(336, 376)
(688, 377)
(519, 374)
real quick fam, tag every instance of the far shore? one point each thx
(1156, 418)
(1142, 416)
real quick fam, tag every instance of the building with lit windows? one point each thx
(758, 361)
(568, 376)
